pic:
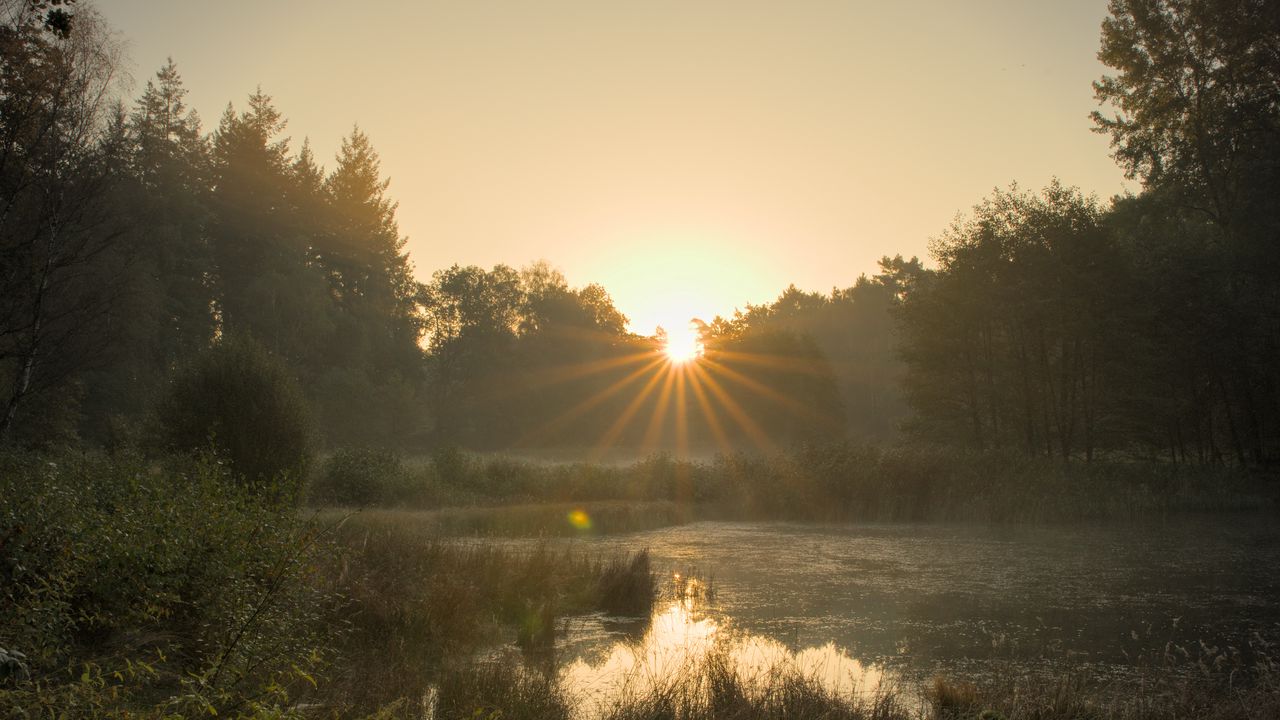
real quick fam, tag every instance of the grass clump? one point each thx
(418, 603)
(356, 477)
(627, 586)
(712, 687)
(499, 690)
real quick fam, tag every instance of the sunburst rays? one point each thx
(714, 399)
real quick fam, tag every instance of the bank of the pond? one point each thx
(143, 587)
(838, 482)
(548, 520)
(437, 610)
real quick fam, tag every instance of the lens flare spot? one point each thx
(580, 519)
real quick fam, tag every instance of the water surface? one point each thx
(853, 603)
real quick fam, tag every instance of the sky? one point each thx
(692, 156)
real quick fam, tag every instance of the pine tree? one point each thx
(265, 285)
(366, 251)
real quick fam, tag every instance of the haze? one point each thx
(691, 157)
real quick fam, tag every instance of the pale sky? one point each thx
(690, 155)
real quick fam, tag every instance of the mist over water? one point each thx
(855, 606)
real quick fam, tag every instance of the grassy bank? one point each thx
(147, 588)
(524, 519)
(418, 606)
(830, 483)
(714, 689)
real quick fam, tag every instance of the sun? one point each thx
(682, 344)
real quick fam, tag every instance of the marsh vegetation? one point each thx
(253, 466)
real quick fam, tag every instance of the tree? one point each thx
(1197, 95)
(243, 402)
(1014, 340)
(57, 233)
(806, 337)
(265, 285)
(1198, 102)
(370, 388)
(365, 251)
(164, 311)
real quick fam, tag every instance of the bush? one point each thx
(451, 465)
(128, 585)
(241, 401)
(360, 476)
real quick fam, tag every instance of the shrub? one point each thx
(451, 465)
(126, 584)
(241, 401)
(360, 476)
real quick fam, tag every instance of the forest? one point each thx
(1048, 322)
(204, 327)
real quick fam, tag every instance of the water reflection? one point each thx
(680, 638)
(935, 599)
(849, 604)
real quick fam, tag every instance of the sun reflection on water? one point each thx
(680, 638)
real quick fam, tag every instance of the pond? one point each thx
(854, 605)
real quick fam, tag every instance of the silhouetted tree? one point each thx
(165, 313)
(1012, 341)
(1197, 101)
(58, 267)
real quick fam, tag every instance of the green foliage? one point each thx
(832, 356)
(1193, 109)
(828, 482)
(131, 584)
(359, 476)
(451, 464)
(61, 264)
(1016, 340)
(1196, 103)
(512, 352)
(194, 236)
(242, 402)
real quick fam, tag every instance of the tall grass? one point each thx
(417, 604)
(713, 687)
(163, 588)
(1253, 693)
(828, 483)
(528, 519)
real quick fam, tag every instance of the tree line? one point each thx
(132, 240)
(1146, 326)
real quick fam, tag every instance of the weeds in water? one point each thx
(417, 602)
(1213, 686)
(714, 686)
(627, 586)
